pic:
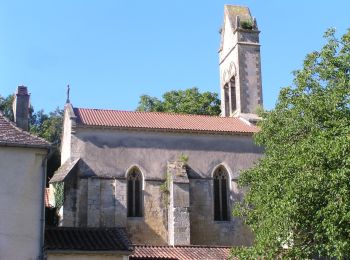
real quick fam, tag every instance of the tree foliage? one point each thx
(47, 126)
(6, 106)
(189, 101)
(299, 193)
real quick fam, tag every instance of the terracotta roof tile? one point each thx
(86, 239)
(162, 121)
(180, 252)
(49, 198)
(10, 135)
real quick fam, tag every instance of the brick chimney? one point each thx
(21, 108)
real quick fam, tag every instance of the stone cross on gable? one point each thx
(68, 90)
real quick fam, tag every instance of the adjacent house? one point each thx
(22, 171)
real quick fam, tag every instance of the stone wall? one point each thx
(179, 204)
(106, 157)
(152, 227)
(102, 203)
(239, 59)
(231, 232)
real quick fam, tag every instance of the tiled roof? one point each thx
(49, 198)
(10, 135)
(180, 252)
(162, 121)
(86, 239)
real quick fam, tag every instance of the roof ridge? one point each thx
(12, 124)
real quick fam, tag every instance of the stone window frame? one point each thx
(227, 217)
(139, 210)
(230, 97)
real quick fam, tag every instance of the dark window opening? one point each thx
(134, 193)
(227, 100)
(232, 85)
(221, 212)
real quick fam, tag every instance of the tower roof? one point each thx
(232, 11)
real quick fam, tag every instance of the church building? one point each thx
(168, 179)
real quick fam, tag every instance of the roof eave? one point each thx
(7, 144)
(85, 252)
(239, 133)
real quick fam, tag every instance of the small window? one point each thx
(232, 85)
(221, 212)
(227, 100)
(134, 193)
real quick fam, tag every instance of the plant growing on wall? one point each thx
(165, 189)
(183, 158)
(59, 194)
(247, 24)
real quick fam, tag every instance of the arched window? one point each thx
(233, 99)
(227, 100)
(134, 193)
(221, 212)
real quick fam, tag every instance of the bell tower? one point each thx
(240, 68)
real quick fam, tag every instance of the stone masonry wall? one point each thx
(179, 204)
(102, 203)
(152, 227)
(106, 156)
(231, 232)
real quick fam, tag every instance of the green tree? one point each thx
(298, 194)
(189, 101)
(48, 126)
(6, 106)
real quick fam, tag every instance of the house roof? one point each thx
(163, 121)
(144, 252)
(11, 135)
(86, 239)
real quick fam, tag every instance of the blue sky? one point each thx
(111, 52)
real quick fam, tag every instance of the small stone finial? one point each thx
(68, 90)
(255, 24)
(238, 22)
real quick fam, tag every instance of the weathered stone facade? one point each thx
(240, 66)
(179, 204)
(96, 193)
(177, 196)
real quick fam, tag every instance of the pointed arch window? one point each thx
(134, 193)
(227, 100)
(233, 99)
(221, 212)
